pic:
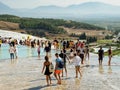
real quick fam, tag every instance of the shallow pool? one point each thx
(23, 51)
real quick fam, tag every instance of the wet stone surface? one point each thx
(25, 74)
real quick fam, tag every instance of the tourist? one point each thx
(110, 56)
(58, 69)
(47, 50)
(49, 45)
(16, 51)
(61, 44)
(67, 44)
(12, 43)
(100, 55)
(42, 43)
(71, 53)
(0, 42)
(77, 61)
(38, 43)
(55, 43)
(64, 43)
(87, 52)
(82, 52)
(77, 45)
(32, 44)
(47, 72)
(64, 57)
(12, 51)
(38, 51)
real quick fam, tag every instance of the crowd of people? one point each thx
(77, 52)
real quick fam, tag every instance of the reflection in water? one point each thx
(101, 69)
(29, 51)
(64, 84)
(87, 62)
(109, 70)
(77, 83)
(14, 61)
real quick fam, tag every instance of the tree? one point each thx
(91, 39)
(82, 36)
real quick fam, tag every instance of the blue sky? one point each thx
(63, 3)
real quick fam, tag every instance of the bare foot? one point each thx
(48, 84)
(76, 77)
(59, 82)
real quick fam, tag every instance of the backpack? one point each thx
(61, 64)
(51, 68)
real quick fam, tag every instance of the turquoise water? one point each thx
(23, 52)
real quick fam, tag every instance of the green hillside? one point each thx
(37, 26)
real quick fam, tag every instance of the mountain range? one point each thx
(85, 10)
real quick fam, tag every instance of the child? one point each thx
(47, 72)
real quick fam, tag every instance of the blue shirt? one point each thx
(57, 62)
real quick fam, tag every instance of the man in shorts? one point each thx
(63, 56)
(100, 55)
(58, 70)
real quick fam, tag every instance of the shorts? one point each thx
(58, 71)
(109, 56)
(38, 52)
(100, 58)
(82, 56)
(77, 67)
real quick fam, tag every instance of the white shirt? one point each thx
(16, 50)
(11, 50)
(81, 50)
(76, 60)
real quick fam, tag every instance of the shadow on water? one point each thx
(41, 79)
(13, 62)
(40, 87)
(77, 81)
(91, 66)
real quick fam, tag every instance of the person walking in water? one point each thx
(87, 53)
(38, 51)
(0, 42)
(58, 69)
(16, 51)
(47, 50)
(81, 53)
(110, 56)
(100, 55)
(77, 61)
(47, 72)
(12, 51)
(64, 57)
